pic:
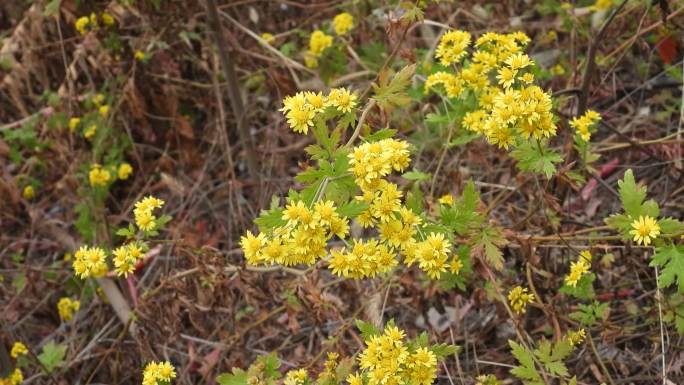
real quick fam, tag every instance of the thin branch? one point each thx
(233, 87)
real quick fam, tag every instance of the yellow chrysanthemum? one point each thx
(518, 298)
(66, 307)
(124, 171)
(645, 229)
(73, 124)
(452, 47)
(28, 193)
(18, 349)
(89, 262)
(156, 373)
(98, 176)
(343, 23)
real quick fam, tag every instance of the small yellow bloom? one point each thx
(103, 110)
(343, 23)
(18, 349)
(575, 337)
(144, 218)
(90, 131)
(82, 24)
(15, 378)
(518, 297)
(107, 19)
(98, 99)
(447, 199)
(318, 42)
(98, 176)
(28, 192)
(140, 55)
(268, 37)
(645, 229)
(124, 171)
(156, 373)
(67, 307)
(73, 124)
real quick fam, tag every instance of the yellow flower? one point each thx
(575, 337)
(98, 99)
(73, 124)
(268, 38)
(318, 42)
(89, 262)
(452, 47)
(67, 307)
(342, 99)
(103, 110)
(585, 123)
(29, 192)
(107, 19)
(14, 378)
(518, 297)
(577, 270)
(645, 229)
(124, 171)
(142, 212)
(447, 199)
(18, 349)
(156, 373)
(601, 5)
(126, 257)
(343, 23)
(488, 379)
(82, 24)
(90, 131)
(140, 55)
(296, 377)
(98, 176)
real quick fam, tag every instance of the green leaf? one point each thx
(268, 220)
(238, 377)
(390, 94)
(417, 175)
(52, 7)
(584, 288)
(367, 329)
(621, 223)
(521, 354)
(385, 133)
(532, 158)
(352, 209)
(631, 195)
(670, 226)
(670, 259)
(123, 232)
(487, 244)
(444, 350)
(52, 356)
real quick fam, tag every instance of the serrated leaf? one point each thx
(621, 223)
(238, 377)
(393, 93)
(631, 195)
(416, 175)
(367, 329)
(521, 354)
(670, 259)
(444, 350)
(270, 219)
(385, 133)
(486, 246)
(670, 226)
(52, 356)
(533, 159)
(352, 209)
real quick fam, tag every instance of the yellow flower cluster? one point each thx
(18, 349)
(579, 268)
(157, 373)
(452, 47)
(509, 109)
(584, 123)
(296, 377)
(125, 170)
(343, 23)
(576, 336)
(645, 229)
(518, 297)
(301, 109)
(90, 261)
(15, 378)
(88, 23)
(126, 257)
(318, 42)
(302, 240)
(144, 218)
(98, 176)
(66, 307)
(28, 193)
(387, 360)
